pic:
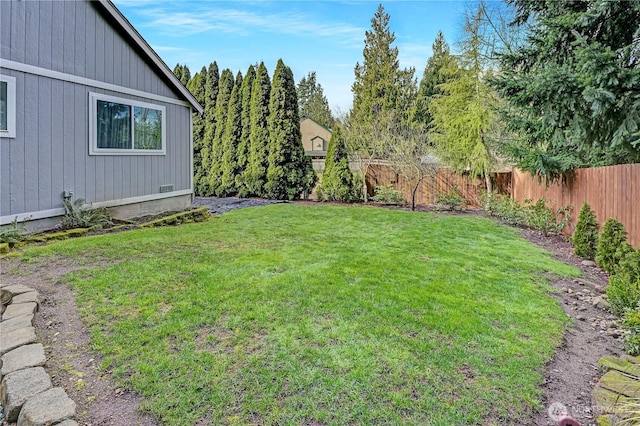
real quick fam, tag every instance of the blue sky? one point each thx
(322, 36)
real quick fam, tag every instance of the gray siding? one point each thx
(74, 37)
(50, 153)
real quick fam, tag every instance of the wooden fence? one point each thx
(469, 187)
(612, 192)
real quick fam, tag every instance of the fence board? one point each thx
(612, 192)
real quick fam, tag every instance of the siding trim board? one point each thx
(44, 214)
(57, 75)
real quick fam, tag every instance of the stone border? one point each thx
(27, 395)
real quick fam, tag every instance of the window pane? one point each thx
(148, 128)
(114, 125)
(3, 106)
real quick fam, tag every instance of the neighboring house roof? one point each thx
(151, 55)
(306, 117)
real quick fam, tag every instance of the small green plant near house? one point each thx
(78, 216)
(387, 195)
(12, 233)
(585, 236)
(451, 199)
(612, 245)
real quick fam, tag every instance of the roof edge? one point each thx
(124, 23)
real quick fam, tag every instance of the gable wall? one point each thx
(50, 153)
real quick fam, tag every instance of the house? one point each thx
(88, 110)
(315, 137)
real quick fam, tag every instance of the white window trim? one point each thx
(11, 107)
(93, 126)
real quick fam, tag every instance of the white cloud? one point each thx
(209, 18)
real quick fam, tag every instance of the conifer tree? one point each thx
(382, 95)
(197, 86)
(217, 150)
(183, 73)
(230, 141)
(572, 86)
(434, 75)
(255, 176)
(312, 102)
(585, 236)
(245, 121)
(290, 172)
(337, 179)
(210, 98)
(462, 117)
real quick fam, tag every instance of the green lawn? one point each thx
(294, 314)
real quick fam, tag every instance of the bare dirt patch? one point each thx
(569, 379)
(573, 371)
(70, 361)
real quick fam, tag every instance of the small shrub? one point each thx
(612, 245)
(504, 207)
(624, 285)
(623, 293)
(387, 195)
(631, 323)
(543, 219)
(585, 236)
(12, 233)
(78, 216)
(451, 199)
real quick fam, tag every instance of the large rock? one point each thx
(22, 336)
(23, 357)
(47, 408)
(19, 309)
(600, 303)
(17, 387)
(8, 292)
(12, 324)
(31, 296)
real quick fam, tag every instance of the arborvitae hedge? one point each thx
(211, 95)
(255, 175)
(290, 172)
(245, 122)
(222, 109)
(230, 141)
(585, 236)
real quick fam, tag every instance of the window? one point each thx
(7, 106)
(125, 127)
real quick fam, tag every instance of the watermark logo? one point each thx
(557, 410)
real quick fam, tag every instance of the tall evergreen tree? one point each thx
(337, 179)
(382, 93)
(463, 118)
(197, 86)
(245, 122)
(312, 102)
(231, 140)
(434, 75)
(290, 172)
(217, 151)
(255, 175)
(572, 87)
(212, 88)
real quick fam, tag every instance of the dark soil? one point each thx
(569, 380)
